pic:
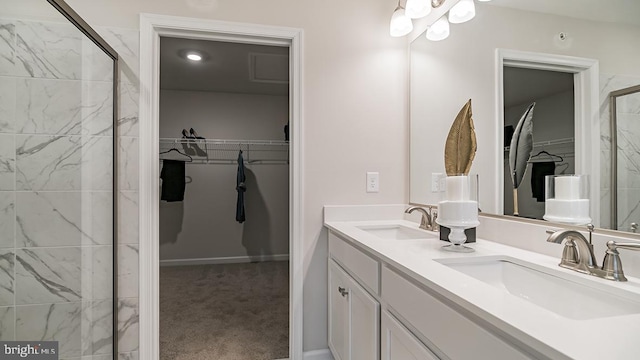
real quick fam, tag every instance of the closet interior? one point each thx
(224, 209)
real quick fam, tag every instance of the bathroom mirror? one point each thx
(474, 63)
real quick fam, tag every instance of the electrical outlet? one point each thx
(435, 182)
(373, 182)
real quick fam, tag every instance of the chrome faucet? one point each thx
(583, 260)
(428, 220)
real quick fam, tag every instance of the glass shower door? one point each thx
(56, 182)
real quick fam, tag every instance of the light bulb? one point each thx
(194, 57)
(400, 24)
(463, 11)
(416, 9)
(439, 30)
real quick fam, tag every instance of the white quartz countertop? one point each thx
(553, 335)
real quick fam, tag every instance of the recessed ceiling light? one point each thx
(194, 57)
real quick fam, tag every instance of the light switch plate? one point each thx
(373, 182)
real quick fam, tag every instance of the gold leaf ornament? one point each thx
(460, 148)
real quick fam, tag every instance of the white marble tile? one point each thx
(7, 162)
(48, 50)
(128, 163)
(96, 64)
(63, 218)
(53, 322)
(7, 324)
(7, 47)
(128, 325)
(129, 87)
(628, 208)
(64, 107)
(63, 162)
(48, 275)
(605, 208)
(126, 43)
(7, 103)
(7, 219)
(128, 271)
(97, 327)
(629, 104)
(7, 265)
(97, 272)
(128, 221)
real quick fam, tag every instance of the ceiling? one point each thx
(226, 67)
(525, 85)
(616, 11)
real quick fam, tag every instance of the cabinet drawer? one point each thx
(364, 267)
(454, 335)
(399, 344)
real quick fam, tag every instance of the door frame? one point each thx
(151, 28)
(587, 120)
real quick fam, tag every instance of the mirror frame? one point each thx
(586, 110)
(613, 122)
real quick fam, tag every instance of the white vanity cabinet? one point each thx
(353, 318)
(361, 329)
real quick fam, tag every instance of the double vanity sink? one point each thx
(520, 297)
(551, 289)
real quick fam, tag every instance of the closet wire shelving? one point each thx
(225, 151)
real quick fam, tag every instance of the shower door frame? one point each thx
(153, 26)
(75, 19)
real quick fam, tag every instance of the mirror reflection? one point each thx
(570, 134)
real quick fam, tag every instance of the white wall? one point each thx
(354, 107)
(446, 74)
(203, 226)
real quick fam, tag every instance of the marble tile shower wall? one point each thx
(628, 121)
(55, 179)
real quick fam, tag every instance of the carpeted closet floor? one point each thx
(225, 312)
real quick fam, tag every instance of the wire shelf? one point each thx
(539, 144)
(223, 151)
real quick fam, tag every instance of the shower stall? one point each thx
(57, 190)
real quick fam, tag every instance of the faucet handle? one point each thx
(612, 265)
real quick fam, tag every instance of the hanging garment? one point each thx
(240, 188)
(173, 180)
(538, 171)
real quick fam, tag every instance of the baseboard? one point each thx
(224, 260)
(323, 354)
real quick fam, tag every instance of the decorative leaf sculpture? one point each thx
(460, 148)
(520, 151)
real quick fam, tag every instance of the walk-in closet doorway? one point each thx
(221, 274)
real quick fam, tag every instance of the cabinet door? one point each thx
(338, 312)
(364, 313)
(399, 344)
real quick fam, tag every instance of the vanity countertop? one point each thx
(553, 335)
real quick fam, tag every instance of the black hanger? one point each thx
(544, 152)
(179, 152)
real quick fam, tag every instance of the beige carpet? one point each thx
(225, 312)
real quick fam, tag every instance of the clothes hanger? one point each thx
(544, 152)
(561, 171)
(179, 152)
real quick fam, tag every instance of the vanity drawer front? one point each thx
(364, 267)
(454, 335)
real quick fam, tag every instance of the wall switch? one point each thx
(373, 182)
(435, 182)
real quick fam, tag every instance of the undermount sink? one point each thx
(395, 232)
(558, 292)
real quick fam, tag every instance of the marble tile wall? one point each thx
(628, 121)
(56, 206)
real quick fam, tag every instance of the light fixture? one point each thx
(484, 0)
(194, 56)
(461, 12)
(400, 24)
(439, 30)
(416, 9)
